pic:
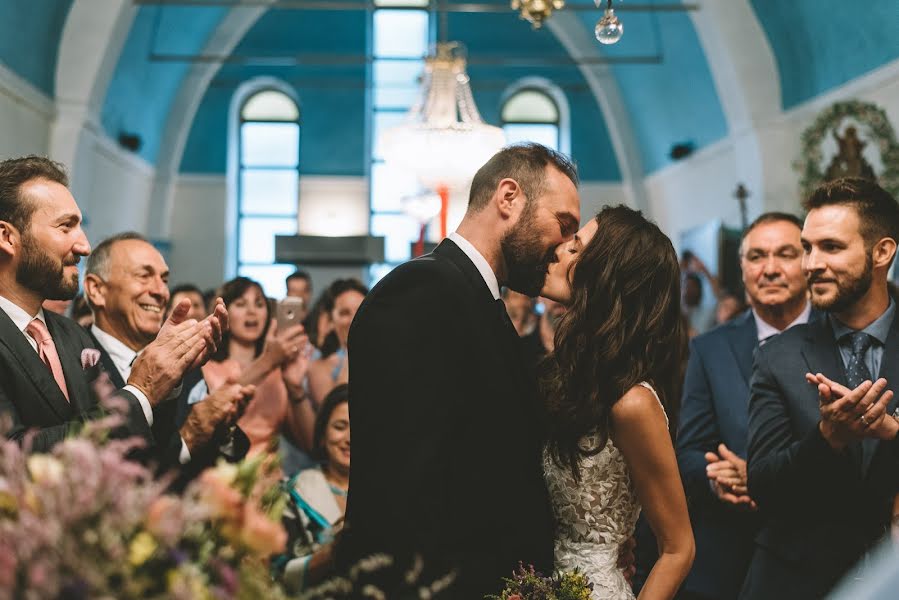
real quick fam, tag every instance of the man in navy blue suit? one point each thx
(824, 458)
(711, 446)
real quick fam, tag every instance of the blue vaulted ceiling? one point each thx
(29, 39)
(821, 45)
(141, 92)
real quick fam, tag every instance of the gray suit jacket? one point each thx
(824, 508)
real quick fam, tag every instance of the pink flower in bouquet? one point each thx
(216, 493)
(8, 565)
(165, 519)
(260, 533)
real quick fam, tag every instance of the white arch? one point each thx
(92, 40)
(744, 72)
(227, 35)
(243, 92)
(558, 96)
(572, 34)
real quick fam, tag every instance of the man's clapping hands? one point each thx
(182, 344)
(849, 416)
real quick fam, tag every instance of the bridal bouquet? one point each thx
(84, 522)
(528, 584)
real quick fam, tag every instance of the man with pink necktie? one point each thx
(49, 370)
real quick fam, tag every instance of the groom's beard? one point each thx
(526, 263)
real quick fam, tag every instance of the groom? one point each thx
(445, 416)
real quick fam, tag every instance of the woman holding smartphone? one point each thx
(255, 352)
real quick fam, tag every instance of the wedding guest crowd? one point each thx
(787, 437)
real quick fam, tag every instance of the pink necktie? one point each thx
(47, 351)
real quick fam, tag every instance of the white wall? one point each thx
(113, 187)
(25, 117)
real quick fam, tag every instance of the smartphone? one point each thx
(290, 311)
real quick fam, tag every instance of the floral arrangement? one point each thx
(879, 128)
(528, 584)
(85, 522)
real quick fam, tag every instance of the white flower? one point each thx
(45, 469)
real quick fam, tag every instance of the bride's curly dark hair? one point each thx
(623, 326)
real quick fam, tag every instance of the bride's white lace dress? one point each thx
(594, 516)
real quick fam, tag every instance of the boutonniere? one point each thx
(89, 358)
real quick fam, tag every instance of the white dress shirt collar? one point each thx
(21, 318)
(765, 330)
(479, 261)
(122, 356)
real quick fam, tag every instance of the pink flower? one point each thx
(89, 357)
(216, 493)
(261, 533)
(165, 519)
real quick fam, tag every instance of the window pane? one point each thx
(388, 3)
(270, 144)
(270, 276)
(382, 122)
(257, 237)
(377, 272)
(530, 106)
(389, 185)
(270, 106)
(396, 83)
(399, 232)
(268, 192)
(400, 33)
(548, 135)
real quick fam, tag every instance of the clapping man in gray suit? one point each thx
(823, 458)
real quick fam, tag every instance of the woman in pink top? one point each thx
(254, 352)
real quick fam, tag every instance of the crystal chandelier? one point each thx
(443, 139)
(537, 11)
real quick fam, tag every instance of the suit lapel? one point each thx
(743, 340)
(821, 353)
(69, 349)
(108, 365)
(889, 370)
(34, 368)
(502, 334)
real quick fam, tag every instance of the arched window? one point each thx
(531, 114)
(267, 184)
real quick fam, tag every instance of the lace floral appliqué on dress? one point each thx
(594, 516)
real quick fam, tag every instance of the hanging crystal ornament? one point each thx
(609, 28)
(537, 11)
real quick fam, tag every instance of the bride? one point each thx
(615, 373)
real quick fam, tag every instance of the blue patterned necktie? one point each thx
(856, 369)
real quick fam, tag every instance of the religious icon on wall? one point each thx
(849, 139)
(850, 160)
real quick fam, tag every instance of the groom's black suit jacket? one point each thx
(446, 428)
(824, 509)
(30, 397)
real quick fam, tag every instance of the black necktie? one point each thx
(504, 315)
(856, 369)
